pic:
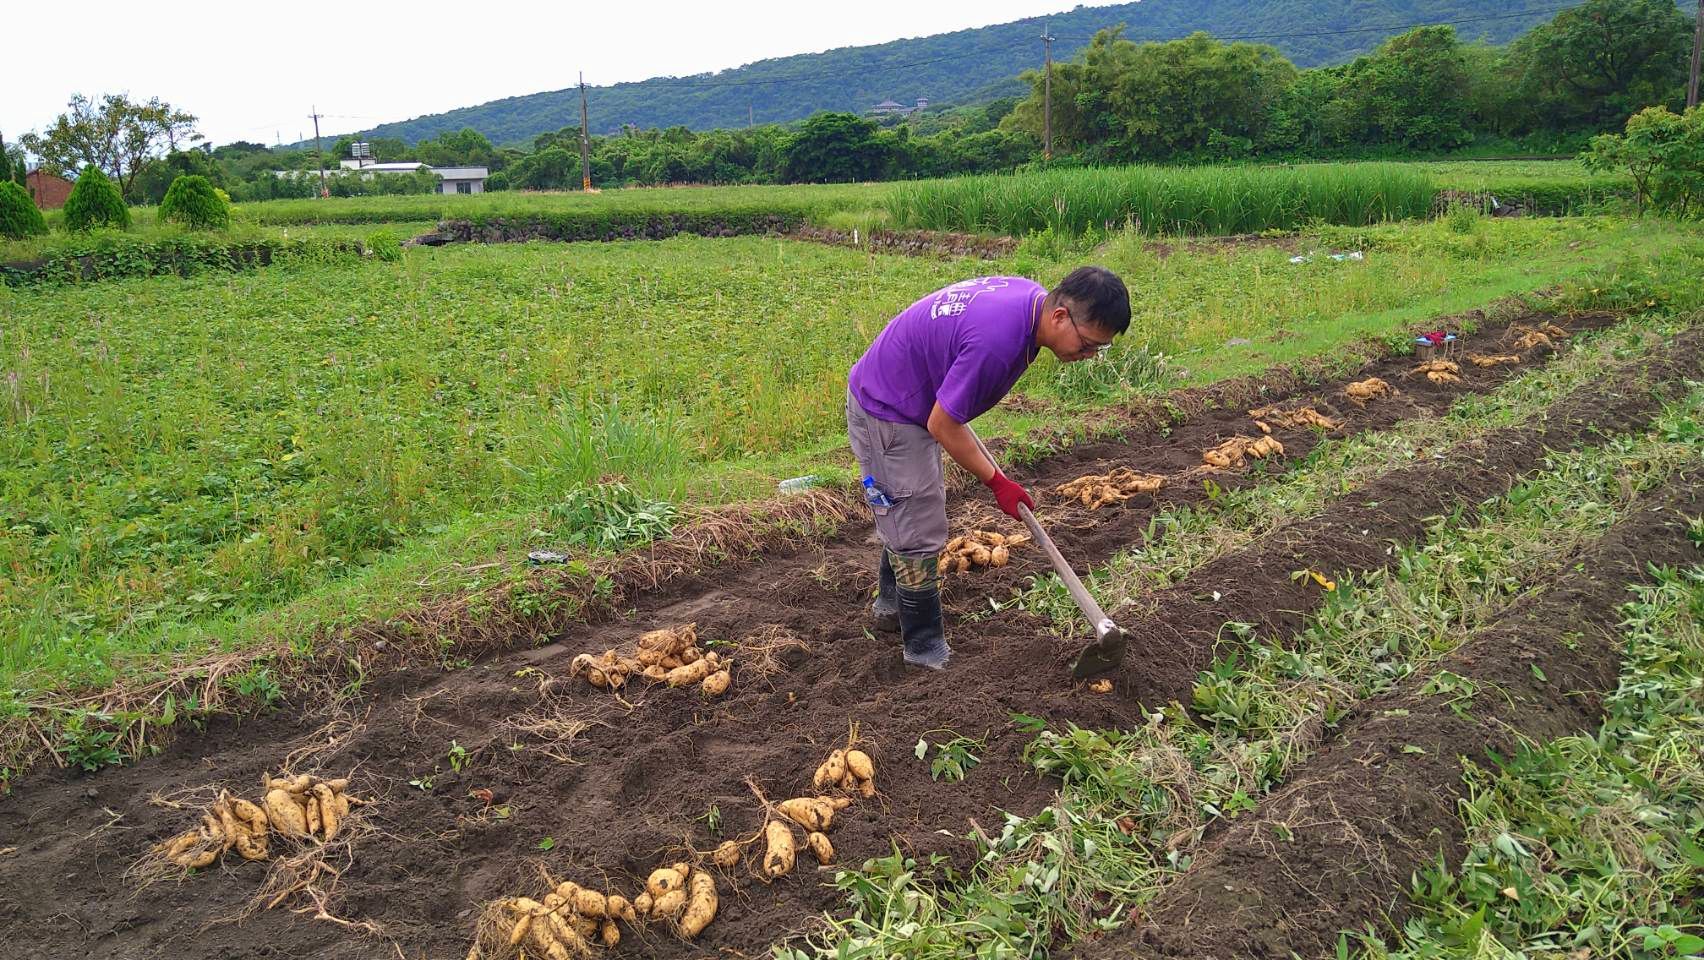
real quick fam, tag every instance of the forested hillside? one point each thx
(968, 65)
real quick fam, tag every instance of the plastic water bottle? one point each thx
(796, 484)
(874, 493)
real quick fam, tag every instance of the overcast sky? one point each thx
(253, 71)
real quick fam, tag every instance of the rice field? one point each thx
(1168, 200)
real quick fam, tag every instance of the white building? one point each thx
(461, 179)
(450, 179)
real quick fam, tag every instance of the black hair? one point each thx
(1101, 294)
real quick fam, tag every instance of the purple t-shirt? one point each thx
(963, 346)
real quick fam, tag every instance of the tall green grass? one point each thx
(1173, 200)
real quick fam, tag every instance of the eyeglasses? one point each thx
(1088, 346)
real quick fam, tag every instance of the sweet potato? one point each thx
(701, 908)
(665, 880)
(285, 814)
(860, 764)
(807, 812)
(669, 905)
(610, 934)
(716, 684)
(591, 903)
(694, 672)
(831, 770)
(642, 904)
(778, 858)
(820, 845)
(328, 810)
(726, 855)
(620, 908)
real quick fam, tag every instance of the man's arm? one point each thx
(955, 438)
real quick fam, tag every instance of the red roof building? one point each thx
(48, 191)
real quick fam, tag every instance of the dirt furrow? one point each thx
(646, 776)
(1175, 630)
(1334, 848)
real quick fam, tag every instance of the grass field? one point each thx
(185, 455)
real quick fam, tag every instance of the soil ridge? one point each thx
(1333, 849)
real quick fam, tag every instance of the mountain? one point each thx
(967, 65)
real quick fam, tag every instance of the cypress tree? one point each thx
(192, 201)
(95, 202)
(19, 217)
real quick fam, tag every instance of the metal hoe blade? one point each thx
(1106, 653)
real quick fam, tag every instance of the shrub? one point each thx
(1664, 154)
(95, 202)
(19, 217)
(192, 201)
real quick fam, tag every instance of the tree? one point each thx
(1662, 152)
(19, 217)
(12, 167)
(116, 134)
(94, 202)
(465, 147)
(193, 202)
(1411, 92)
(156, 176)
(1600, 61)
(835, 148)
(1152, 100)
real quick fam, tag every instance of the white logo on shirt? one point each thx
(955, 299)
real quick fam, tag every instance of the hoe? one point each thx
(1107, 651)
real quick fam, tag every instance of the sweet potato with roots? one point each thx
(1486, 361)
(572, 921)
(778, 858)
(1235, 451)
(302, 807)
(1369, 389)
(1097, 490)
(671, 656)
(979, 548)
(700, 907)
(1440, 372)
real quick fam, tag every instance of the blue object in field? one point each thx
(874, 493)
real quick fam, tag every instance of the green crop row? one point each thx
(111, 255)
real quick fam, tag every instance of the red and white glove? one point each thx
(1009, 495)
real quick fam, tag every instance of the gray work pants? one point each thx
(905, 462)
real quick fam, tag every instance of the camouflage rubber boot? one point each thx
(920, 612)
(884, 610)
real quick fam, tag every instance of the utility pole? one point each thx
(319, 157)
(1047, 93)
(1697, 55)
(585, 141)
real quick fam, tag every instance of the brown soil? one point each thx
(648, 768)
(1176, 628)
(1334, 849)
